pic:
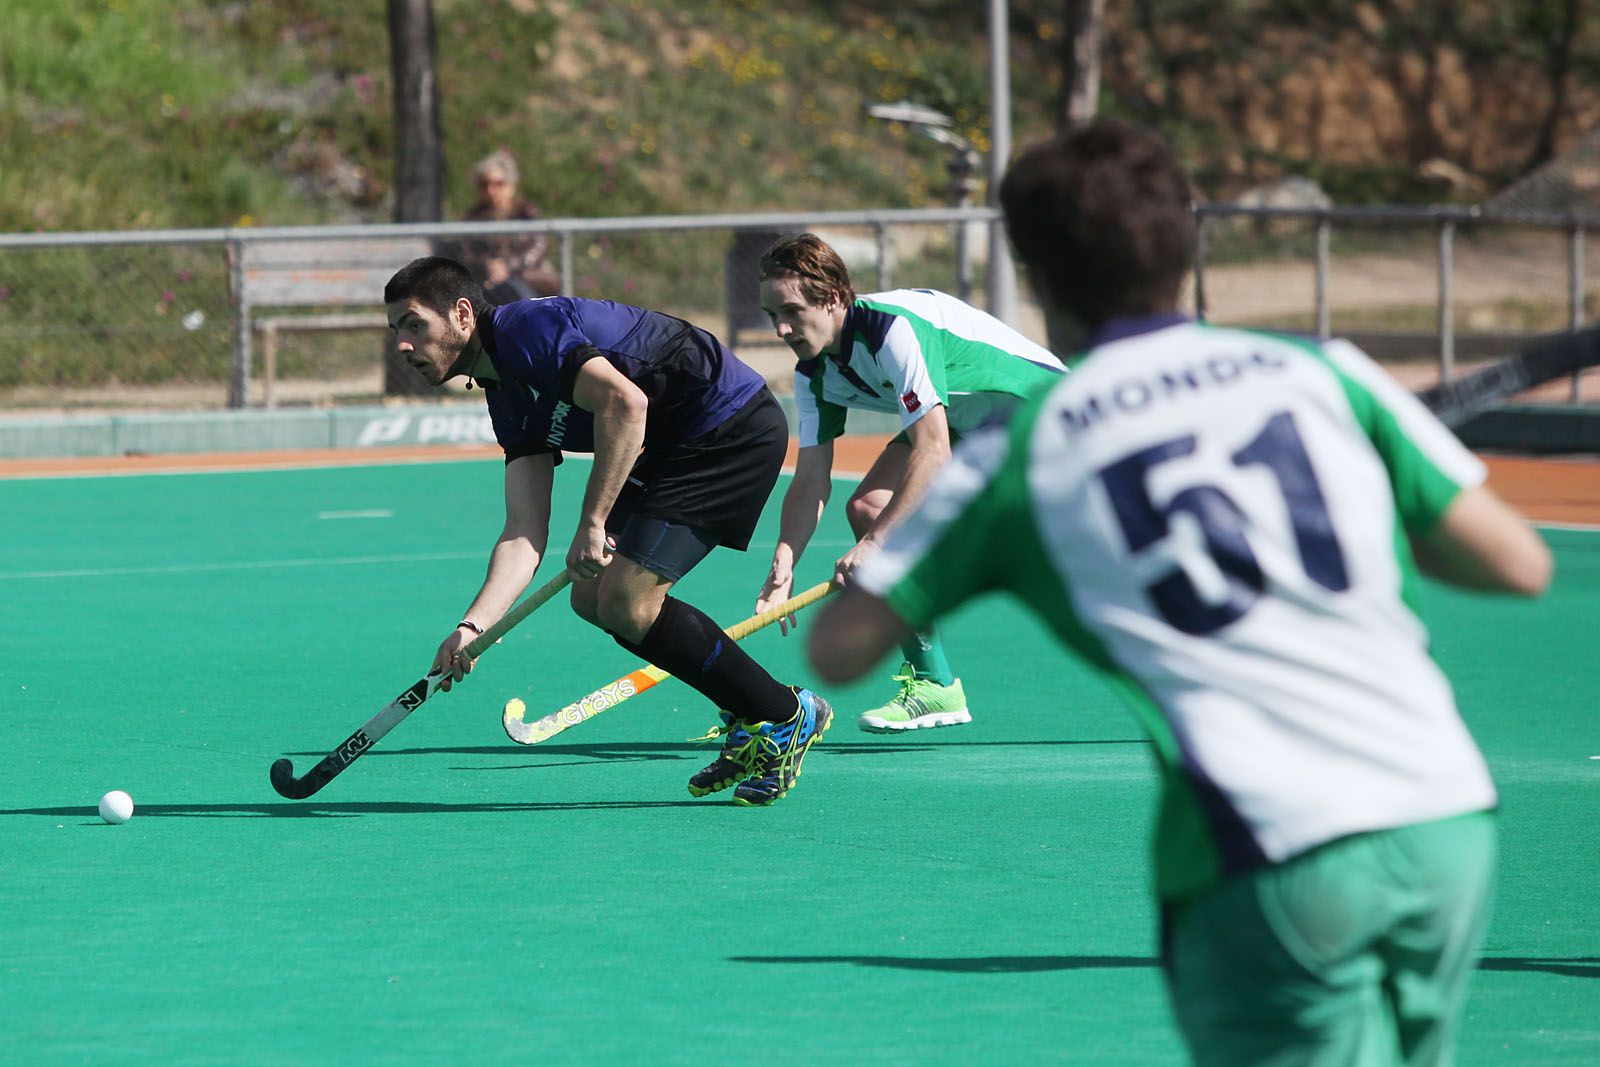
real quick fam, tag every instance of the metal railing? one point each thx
(1446, 223)
(171, 318)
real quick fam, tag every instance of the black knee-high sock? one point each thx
(685, 641)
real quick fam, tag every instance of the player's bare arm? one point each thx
(619, 419)
(852, 635)
(807, 495)
(930, 450)
(1482, 543)
(512, 562)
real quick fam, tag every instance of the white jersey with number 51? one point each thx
(1218, 519)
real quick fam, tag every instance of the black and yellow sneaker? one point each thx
(733, 764)
(781, 748)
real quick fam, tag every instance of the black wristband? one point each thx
(469, 624)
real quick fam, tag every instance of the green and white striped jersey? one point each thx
(1217, 518)
(905, 351)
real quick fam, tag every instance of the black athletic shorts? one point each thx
(716, 484)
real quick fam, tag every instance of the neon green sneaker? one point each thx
(919, 703)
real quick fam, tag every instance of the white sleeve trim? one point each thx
(1432, 437)
(906, 366)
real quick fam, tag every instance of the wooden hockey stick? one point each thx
(282, 775)
(1548, 357)
(635, 682)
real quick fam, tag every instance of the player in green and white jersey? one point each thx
(943, 366)
(1230, 525)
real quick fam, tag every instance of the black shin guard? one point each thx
(686, 642)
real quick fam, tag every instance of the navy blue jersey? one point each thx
(693, 383)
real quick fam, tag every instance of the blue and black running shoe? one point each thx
(736, 762)
(780, 750)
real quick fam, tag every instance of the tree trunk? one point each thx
(1423, 31)
(1080, 60)
(1169, 66)
(1559, 54)
(418, 168)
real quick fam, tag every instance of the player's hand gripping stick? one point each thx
(283, 777)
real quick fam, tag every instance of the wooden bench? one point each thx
(343, 274)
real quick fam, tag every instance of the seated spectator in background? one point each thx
(509, 266)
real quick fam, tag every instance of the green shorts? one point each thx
(1355, 954)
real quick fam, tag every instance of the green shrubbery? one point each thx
(191, 113)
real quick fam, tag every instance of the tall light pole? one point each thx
(1002, 274)
(962, 166)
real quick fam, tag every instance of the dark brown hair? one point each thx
(813, 261)
(1103, 218)
(436, 283)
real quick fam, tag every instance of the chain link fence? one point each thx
(284, 317)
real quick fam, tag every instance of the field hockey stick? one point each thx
(287, 785)
(1547, 358)
(635, 682)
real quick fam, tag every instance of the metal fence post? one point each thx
(1575, 255)
(239, 381)
(269, 363)
(1002, 277)
(1324, 315)
(1447, 319)
(880, 234)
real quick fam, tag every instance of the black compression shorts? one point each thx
(716, 484)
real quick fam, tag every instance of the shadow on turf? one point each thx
(1576, 967)
(644, 751)
(662, 750)
(969, 964)
(625, 751)
(311, 809)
